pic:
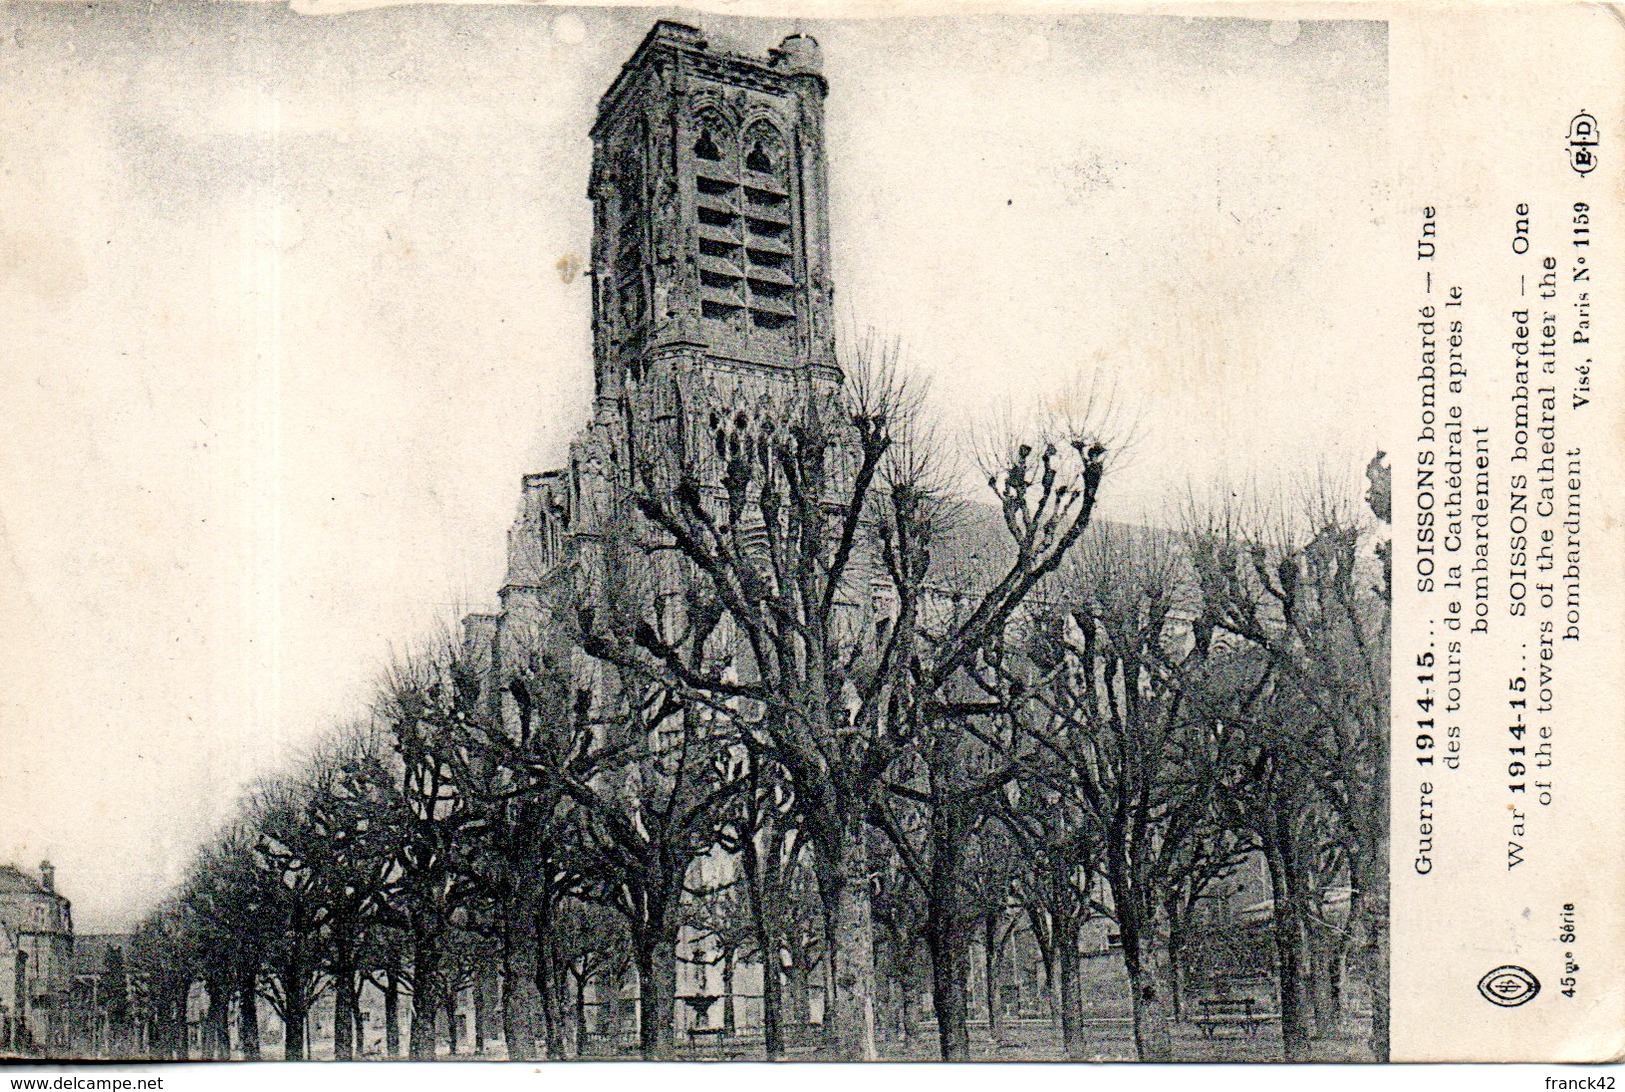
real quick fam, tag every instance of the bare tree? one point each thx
(640, 770)
(425, 704)
(1060, 850)
(520, 825)
(224, 901)
(900, 935)
(289, 842)
(1118, 732)
(346, 815)
(758, 825)
(164, 962)
(779, 547)
(592, 944)
(645, 805)
(1303, 585)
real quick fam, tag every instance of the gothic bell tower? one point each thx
(712, 331)
(712, 297)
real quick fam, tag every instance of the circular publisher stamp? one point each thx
(1508, 986)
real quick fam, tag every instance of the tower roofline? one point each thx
(796, 56)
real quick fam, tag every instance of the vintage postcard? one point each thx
(1033, 532)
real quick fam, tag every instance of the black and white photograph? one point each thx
(537, 533)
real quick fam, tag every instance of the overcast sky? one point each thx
(284, 325)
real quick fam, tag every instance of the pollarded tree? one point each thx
(1121, 736)
(1304, 588)
(288, 844)
(224, 896)
(758, 825)
(425, 705)
(717, 917)
(934, 812)
(519, 825)
(607, 792)
(992, 866)
(645, 803)
(590, 945)
(780, 548)
(900, 914)
(1059, 852)
(384, 954)
(164, 964)
(1265, 790)
(350, 854)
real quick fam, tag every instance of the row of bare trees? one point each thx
(782, 711)
(408, 852)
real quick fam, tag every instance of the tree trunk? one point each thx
(852, 948)
(767, 912)
(581, 1012)
(1292, 958)
(612, 1026)
(1369, 868)
(547, 985)
(1069, 974)
(1145, 956)
(797, 1014)
(344, 1012)
(897, 990)
(425, 987)
(657, 997)
(482, 1006)
(521, 1001)
(248, 1015)
(448, 1004)
(950, 966)
(1377, 971)
(945, 928)
(1326, 952)
(174, 1034)
(772, 1004)
(829, 1029)
(392, 1013)
(1371, 878)
(991, 963)
(1038, 920)
(217, 1031)
(296, 1016)
(730, 1023)
(1177, 953)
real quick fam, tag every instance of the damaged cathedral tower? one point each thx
(712, 325)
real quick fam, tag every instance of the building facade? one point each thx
(712, 300)
(36, 961)
(712, 333)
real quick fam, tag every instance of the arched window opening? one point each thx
(759, 160)
(706, 148)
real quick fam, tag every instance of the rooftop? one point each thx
(14, 881)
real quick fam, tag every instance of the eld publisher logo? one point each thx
(1583, 138)
(1508, 986)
